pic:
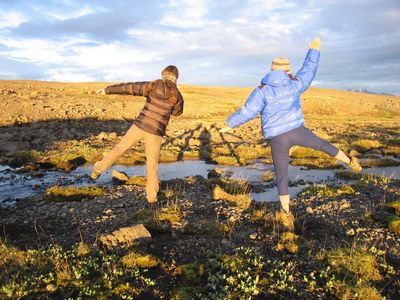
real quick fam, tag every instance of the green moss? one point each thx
(290, 242)
(21, 158)
(352, 274)
(137, 180)
(143, 216)
(353, 262)
(348, 175)
(301, 152)
(134, 259)
(385, 162)
(170, 214)
(212, 229)
(394, 224)
(186, 292)
(317, 163)
(395, 205)
(326, 191)
(228, 160)
(63, 194)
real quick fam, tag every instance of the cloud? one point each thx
(212, 42)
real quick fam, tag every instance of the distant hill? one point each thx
(365, 91)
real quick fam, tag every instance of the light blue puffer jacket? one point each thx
(278, 101)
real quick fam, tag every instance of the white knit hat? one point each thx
(281, 63)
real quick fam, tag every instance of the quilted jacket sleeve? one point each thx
(307, 72)
(253, 106)
(130, 88)
(178, 106)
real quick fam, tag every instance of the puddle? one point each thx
(17, 186)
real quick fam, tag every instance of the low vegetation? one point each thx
(69, 193)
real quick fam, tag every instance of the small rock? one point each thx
(119, 176)
(51, 287)
(253, 236)
(215, 173)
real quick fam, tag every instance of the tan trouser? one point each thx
(152, 148)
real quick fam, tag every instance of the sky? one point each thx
(213, 43)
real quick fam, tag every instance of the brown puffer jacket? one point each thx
(158, 108)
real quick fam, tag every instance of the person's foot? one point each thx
(151, 200)
(96, 172)
(355, 164)
(285, 218)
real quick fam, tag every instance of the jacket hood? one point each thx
(161, 90)
(276, 78)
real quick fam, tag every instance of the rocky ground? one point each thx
(69, 120)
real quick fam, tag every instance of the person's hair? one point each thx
(170, 74)
(292, 77)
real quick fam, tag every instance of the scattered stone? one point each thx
(51, 287)
(309, 210)
(215, 173)
(119, 177)
(126, 236)
(8, 147)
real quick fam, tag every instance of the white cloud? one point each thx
(185, 13)
(11, 19)
(68, 75)
(61, 16)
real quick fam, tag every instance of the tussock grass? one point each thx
(381, 163)
(365, 145)
(241, 200)
(353, 273)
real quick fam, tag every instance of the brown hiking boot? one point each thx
(285, 218)
(355, 164)
(96, 172)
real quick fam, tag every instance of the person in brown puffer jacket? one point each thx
(163, 99)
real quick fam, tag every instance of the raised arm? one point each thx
(253, 106)
(130, 88)
(307, 72)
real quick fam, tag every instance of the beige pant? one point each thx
(152, 148)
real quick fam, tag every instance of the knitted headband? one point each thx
(281, 63)
(169, 77)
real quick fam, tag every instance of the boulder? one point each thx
(126, 236)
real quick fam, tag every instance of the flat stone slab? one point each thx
(126, 236)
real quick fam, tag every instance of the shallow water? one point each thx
(17, 186)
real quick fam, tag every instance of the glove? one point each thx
(225, 129)
(316, 44)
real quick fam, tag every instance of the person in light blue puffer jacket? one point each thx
(277, 99)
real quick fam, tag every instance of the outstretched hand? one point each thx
(316, 44)
(102, 91)
(224, 129)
